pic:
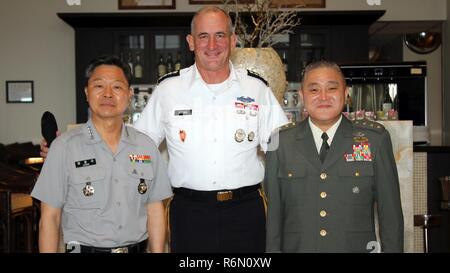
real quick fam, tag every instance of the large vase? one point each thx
(267, 63)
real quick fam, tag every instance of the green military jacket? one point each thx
(329, 207)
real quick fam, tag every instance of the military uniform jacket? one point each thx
(329, 207)
(103, 196)
(212, 134)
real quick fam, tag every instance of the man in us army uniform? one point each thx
(103, 182)
(328, 174)
(213, 118)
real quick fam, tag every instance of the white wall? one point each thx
(36, 45)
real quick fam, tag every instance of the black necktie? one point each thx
(325, 147)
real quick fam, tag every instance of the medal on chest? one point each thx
(88, 189)
(239, 136)
(142, 187)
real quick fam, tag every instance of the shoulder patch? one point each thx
(168, 75)
(369, 124)
(256, 75)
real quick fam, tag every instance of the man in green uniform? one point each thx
(328, 174)
(103, 182)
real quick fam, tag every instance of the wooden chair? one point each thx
(17, 220)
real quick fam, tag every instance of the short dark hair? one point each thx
(321, 64)
(208, 9)
(107, 60)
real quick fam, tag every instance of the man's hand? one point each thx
(44, 147)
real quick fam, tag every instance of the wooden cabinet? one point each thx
(146, 38)
(140, 39)
(142, 49)
(340, 43)
(89, 43)
(307, 44)
(148, 51)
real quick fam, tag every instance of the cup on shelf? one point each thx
(392, 114)
(369, 115)
(360, 114)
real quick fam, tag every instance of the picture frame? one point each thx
(208, 2)
(302, 3)
(19, 91)
(284, 3)
(147, 4)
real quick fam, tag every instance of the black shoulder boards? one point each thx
(256, 75)
(168, 75)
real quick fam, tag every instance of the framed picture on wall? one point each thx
(19, 92)
(146, 4)
(275, 3)
(301, 3)
(207, 2)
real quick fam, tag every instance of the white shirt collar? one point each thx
(196, 76)
(317, 133)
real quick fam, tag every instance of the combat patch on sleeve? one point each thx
(256, 75)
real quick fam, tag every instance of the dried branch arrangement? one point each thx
(267, 19)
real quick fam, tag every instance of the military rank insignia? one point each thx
(361, 152)
(140, 158)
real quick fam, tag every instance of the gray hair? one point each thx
(322, 64)
(212, 9)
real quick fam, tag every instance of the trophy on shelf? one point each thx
(291, 103)
(138, 102)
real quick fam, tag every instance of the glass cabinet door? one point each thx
(152, 54)
(132, 49)
(305, 45)
(282, 48)
(311, 45)
(169, 53)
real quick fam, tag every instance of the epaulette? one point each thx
(290, 125)
(168, 75)
(369, 124)
(283, 128)
(256, 75)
